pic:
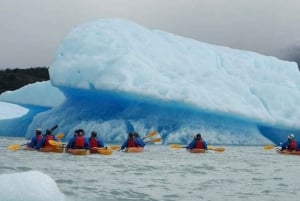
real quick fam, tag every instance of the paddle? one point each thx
(15, 147)
(218, 149)
(154, 140)
(268, 147)
(178, 146)
(151, 134)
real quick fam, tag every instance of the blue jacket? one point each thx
(43, 140)
(193, 144)
(71, 143)
(33, 143)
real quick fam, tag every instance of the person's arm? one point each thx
(32, 142)
(139, 142)
(100, 143)
(204, 145)
(191, 145)
(124, 145)
(86, 143)
(40, 144)
(70, 143)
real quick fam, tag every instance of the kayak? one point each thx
(78, 152)
(134, 149)
(287, 152)
(196, 151)
(55, 149)
(102, 151)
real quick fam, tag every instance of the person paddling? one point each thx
(95, 142)
(290, 144)
(78, 141)
(45, 140)
(197, 143)
(35, 139)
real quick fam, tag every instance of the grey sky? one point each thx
(31, 30)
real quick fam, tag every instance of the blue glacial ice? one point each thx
(117, 76)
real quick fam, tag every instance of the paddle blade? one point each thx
(219, 149)
(176, 146)
(152, 133)
(60, 136)
(114, 147)
(156, 140)
(54, 143)
(14, 147)
(268, 147)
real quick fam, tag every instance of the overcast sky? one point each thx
(31, 30)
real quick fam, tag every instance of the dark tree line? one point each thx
(12, 79)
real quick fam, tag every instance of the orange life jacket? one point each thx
(79, 142)
(199, 144)
(48, 137)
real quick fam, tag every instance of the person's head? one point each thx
(198, 137)
(130, 135)
(94, 134)
(291, 136)
(48, 132)
(38, 131)
(81, 132)
(76, 132)
(135, 134)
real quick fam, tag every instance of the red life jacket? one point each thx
(38, 139)
(79, 142)
(93, 142)
(48, 137)
(293, 145)
(199, 145)
(131, 143)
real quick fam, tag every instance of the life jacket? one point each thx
(198, 144)
(131, 143)
(79, 142)
(93, 142)
(293, 145)
(48, 137)
(38, 139)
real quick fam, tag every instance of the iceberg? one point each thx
(117, 76)
(29, 186)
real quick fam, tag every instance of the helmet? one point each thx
(291, 136)
(198, 135)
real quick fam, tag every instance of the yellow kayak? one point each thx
(102, 151)
(80, 152)
(287, 152)
(134, 149)
(196, 151)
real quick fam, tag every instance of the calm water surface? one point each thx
(159, 173)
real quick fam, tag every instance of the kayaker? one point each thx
(95, 141)
(35, 139)
(129, 142)
(197, 143)
(78, 141)
(138, 141)
(290, 144)
(45, 140)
